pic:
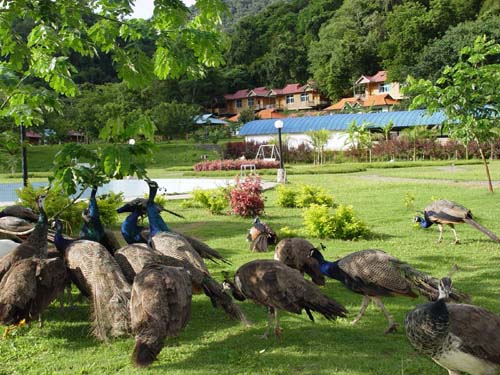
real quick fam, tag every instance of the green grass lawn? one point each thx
(212, 344)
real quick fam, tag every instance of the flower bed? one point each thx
(227, 165)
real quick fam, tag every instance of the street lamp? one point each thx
(281, 178)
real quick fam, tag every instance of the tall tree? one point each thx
(183, 45)
(468, 94)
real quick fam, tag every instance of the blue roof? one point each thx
(208, 118)
(340, 122)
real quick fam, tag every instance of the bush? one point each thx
(246, 197)
(308, 195)
(215, 200)
(235, 150)
(227, 165)
(341, 225)
(303, 197)
(287, 232)
(286, 196)
(72, 215)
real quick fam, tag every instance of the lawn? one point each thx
(212, 344)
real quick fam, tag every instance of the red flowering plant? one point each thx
(246, 199)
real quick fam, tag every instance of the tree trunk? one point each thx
(486, 168)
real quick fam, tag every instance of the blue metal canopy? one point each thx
(340, 122)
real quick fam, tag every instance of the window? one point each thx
(304, 97)
(250, 102)
(384, 87)
(289, 99)
(238, 103)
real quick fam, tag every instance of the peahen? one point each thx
(176, 246)
(133, 258)
(93, 229)
(261, 236)
(447, 212)
(134, 233)
(98, 276)
(36, 244)
(458, 337)
(29, 287)
(374, 274)
(279, 287)
(294, 252)
(160, 307)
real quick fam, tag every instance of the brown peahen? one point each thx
(29, 287)
(133, 258)
(294, 252)
(279, 287)
(36, 244)
(458, 337)
(374, 274)
(450, 213)
(97, 274)
(261, 236)
(160, 307)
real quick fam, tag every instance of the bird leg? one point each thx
(440, 227)
(40, 321)
(270, 312)
(278, 332)
(364, 305)
(392, 324)
(457, 241)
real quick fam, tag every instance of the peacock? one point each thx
(98, 276)
(279, 287)
(176, 246)
(36, 244)
(134, 233)
(20, 212)
(29, 287)
(447, 212)
(458, 337)
(93, 229)
(160, 307)
(261, 236)
(294, 252)
(133, 258)
(375, 274)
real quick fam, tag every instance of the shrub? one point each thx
(303, 197)
(228, 165)
(287, 232)
(246, 197)
(308, 195)
(286, 196)
(215, 200)
(72, 215)
(341, 225)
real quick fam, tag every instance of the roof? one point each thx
(380, 76)
(342, 102)
(208, 118)
(259, 91)
(240, 94)
(340, 122)
(75, 133)
(32, 134)
(369, 101)
(270, 113)
(292, 88)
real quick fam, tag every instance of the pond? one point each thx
(131, 188)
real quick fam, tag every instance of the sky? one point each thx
(144, 8)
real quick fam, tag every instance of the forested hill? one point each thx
(241, 8)
(333, 42)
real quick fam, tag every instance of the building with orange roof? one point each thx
(375, 93)
(293, 96)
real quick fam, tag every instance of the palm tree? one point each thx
(319, 139)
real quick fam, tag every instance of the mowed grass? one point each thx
(212, 344)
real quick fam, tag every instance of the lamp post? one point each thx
(281, 177)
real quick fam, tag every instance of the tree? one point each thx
(319, 139)
(467, 93)
(9, 143)
(359, 137)
(35, 69)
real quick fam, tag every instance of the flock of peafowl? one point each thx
(145, 288)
